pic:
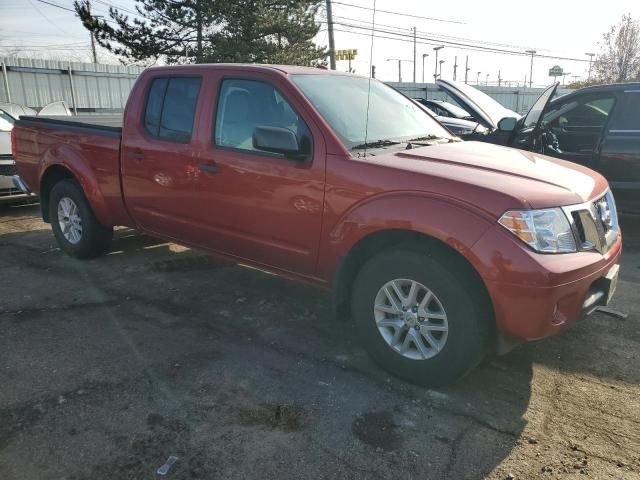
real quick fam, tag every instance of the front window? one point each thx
(244, 105)
(342, 101)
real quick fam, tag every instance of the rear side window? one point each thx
(627, 113)
(171, 107)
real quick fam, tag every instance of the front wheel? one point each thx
(76, 228)
(417, 318)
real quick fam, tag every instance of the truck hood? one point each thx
(530, 179)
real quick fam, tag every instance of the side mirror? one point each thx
(276, 140)
(507, 124)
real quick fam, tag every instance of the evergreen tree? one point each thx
(267, 31)
(180, 31)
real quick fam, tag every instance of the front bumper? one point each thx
(536, 295)
(8, 187)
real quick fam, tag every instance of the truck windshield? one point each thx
(342, 101)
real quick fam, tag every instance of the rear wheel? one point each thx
(76, 228)
(420, 317)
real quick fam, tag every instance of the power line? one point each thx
(56, 5)
(460, 45)
(433, 34)
(400, 14)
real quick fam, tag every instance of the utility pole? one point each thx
(466, 69)
(532, 52)
(199, 31)
(499, 79)
(424, 55)
(455, 67)
(590, 55)
(332, 45)
(93, 40)
(435, 72)
(440, 74)
(415, 61)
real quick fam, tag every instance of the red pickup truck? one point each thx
(440, 250)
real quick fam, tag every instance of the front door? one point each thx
(575, 128)
(268, 207)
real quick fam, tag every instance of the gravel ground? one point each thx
(108, 367)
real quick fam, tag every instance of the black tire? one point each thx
(95, 238)
(468, 318)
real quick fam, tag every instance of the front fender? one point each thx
(67, 156)
(455, 223)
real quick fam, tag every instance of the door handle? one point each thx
(135, 154)
(208, 168)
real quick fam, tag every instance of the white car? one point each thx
(7, 165)
(9, 112)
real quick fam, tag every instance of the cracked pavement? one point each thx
(110, 366)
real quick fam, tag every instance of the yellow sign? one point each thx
(346, 54)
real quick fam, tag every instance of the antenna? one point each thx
(366, 124)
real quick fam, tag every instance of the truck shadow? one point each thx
(258, 361)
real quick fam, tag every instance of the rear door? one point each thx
(620, 151)
(160, 152)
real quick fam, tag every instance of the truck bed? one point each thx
(111, 123)
(87, 145)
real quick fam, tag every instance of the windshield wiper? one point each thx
(376, 144)
(428, 137)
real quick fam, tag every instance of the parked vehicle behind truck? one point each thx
(441, 250)
(598, 127)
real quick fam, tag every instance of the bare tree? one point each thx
(619, 59)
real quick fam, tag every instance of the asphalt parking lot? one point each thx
(108, 367)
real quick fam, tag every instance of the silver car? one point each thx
(7, 165)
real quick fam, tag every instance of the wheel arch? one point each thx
(65, 162)
(385, 239)
(52, 175)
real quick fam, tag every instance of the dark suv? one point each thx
(598, 127)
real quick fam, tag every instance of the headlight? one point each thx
(546, 231)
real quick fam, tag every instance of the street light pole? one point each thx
(455, 67)
(486, 82)
(399, 60)
(532, 52)
(478, 78)
(440, 74)
(466, 69)
(590, 55)
(424, 55)
(415, 61)
(435, 72)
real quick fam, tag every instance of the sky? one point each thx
(553, 28)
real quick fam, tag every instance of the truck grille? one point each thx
(595, 224)
(8, 170)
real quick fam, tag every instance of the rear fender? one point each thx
(67, 156)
